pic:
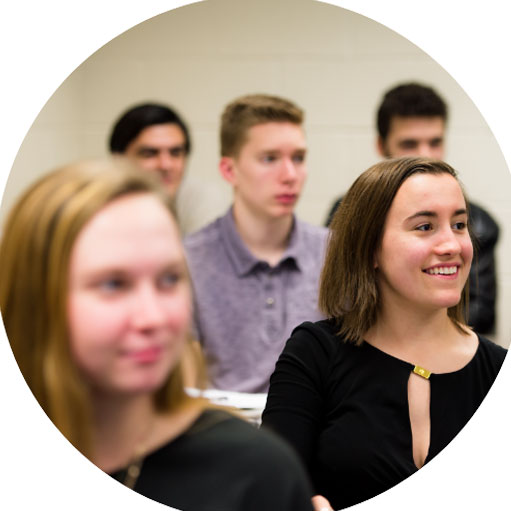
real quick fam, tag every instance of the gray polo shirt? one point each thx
(245, 309)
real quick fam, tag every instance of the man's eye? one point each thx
(147, 153)
(299, 158)
(268, 158)
(177, 152)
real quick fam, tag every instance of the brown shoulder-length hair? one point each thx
(349, 288)
(38, 237)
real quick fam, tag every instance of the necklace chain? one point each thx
(135, 466)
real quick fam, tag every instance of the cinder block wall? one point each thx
(334, 63)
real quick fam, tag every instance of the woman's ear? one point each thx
(375, 260)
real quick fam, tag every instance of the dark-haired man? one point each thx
(411, 121)
(156, 138)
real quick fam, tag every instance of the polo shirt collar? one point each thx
(243, 260)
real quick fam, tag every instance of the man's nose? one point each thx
(165, 160)
(288, 171)
(426, 151)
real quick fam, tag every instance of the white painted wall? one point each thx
(334, 63)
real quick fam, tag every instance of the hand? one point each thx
(321, 504)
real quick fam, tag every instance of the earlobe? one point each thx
(375, 262)
(226, 167)
(380, 146)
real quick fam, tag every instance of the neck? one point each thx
(398, 328)
(408, 330)
(428, 339)
(267, 239)
(120, 427)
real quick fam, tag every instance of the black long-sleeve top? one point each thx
(222, 463)
(344, 408)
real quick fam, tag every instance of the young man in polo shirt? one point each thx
(255, 270)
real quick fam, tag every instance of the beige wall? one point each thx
(332, 62)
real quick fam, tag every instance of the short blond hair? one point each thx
(247, 111)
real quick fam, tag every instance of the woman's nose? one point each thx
(147, 311)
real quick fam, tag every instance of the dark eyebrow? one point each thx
(143, 148)
(433, 214)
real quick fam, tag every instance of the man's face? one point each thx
(414, 136)
(269, 171)
(161, 148)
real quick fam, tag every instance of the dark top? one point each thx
(223, 463)
(345, 409)
(482, 278)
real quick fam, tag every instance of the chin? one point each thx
(143, 384)
(448, 301)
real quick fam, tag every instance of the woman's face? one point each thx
(426, 252)
(129, 302)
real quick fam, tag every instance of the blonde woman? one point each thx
(96, 301)
(370, 395)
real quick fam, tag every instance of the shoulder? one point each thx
(243, 444)
(324, 331)
(204, 238)
(491, 354)
(312, 233)
(317, 341)
(230, 465)
(485, 227)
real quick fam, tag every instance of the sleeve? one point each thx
(332, 211)
(295, 406)
(281, 483)
(483, 282)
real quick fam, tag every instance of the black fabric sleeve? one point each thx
(483, 282)
(295, 406)
(332, 211)
(281, 484)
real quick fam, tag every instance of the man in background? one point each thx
(411, 121)
(255, 270)
(155, 137)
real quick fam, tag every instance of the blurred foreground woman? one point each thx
(96, 301)
(370, 395)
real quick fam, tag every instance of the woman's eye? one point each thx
(169, 280)
(424, 227)
(112, 285)
(459, 226)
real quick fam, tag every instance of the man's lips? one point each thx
(287, 198)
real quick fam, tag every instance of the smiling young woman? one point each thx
(371, 394)
(96, 302)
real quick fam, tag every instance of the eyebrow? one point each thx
(301, 150)
(148, 147)
(433, 214)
